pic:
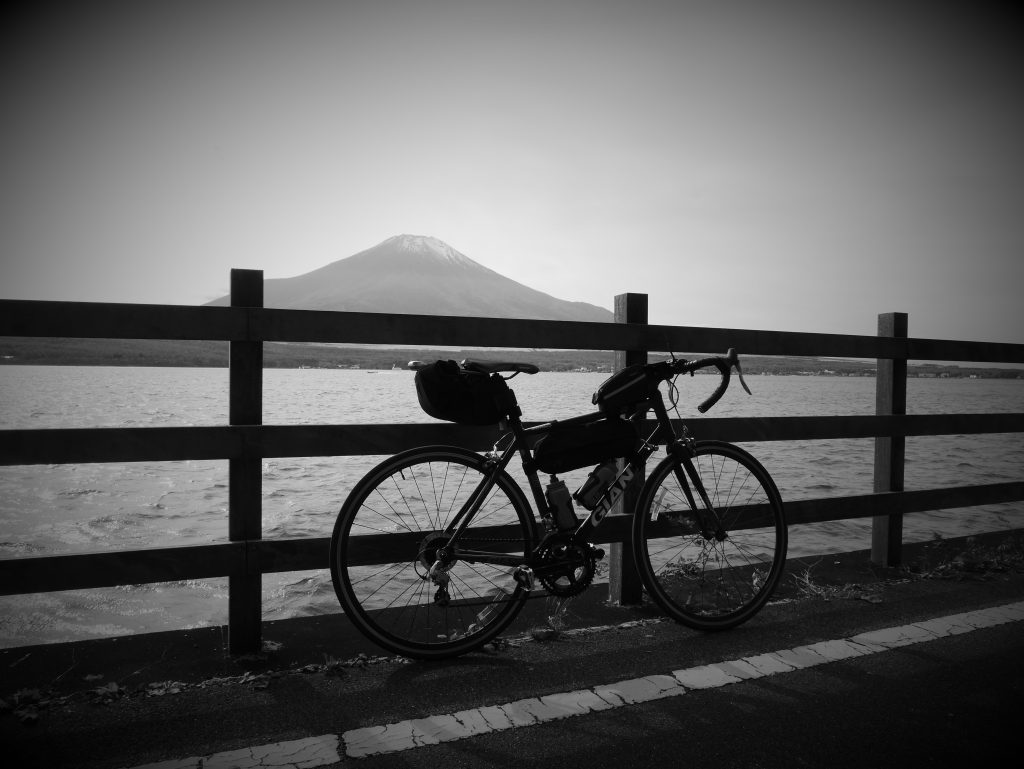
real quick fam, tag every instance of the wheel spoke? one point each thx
(398, 604)
(723, 580)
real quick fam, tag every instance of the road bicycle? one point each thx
(437, 548)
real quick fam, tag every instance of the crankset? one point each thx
(565, 567)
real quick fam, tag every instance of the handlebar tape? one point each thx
(723, 367)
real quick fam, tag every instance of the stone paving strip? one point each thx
(405, 735)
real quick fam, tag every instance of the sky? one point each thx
(797, 166)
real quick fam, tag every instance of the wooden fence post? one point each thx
(624, 585)
(245, 475)
(890, 398)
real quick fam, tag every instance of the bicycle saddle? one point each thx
(494, 367)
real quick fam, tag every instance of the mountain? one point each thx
(421, 276)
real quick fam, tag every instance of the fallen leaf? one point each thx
(27, 695)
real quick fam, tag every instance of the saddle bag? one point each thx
(449, 392)
(574, 446)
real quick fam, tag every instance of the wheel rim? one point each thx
(408, 504)
(706, 578)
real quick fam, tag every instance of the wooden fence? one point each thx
(246, 324)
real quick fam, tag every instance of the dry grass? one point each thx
(808, 587)
(941, 559)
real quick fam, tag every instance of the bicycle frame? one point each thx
(470, 547)
(681, 448)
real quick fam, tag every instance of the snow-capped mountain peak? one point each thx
(420, 275)
(428, 245)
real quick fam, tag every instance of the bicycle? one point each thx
(437, 548)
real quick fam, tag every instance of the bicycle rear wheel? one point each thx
(705, 579)
(388, 536)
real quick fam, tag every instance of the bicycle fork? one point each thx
(708, 519)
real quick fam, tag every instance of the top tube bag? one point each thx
(449, 392)
(625, 389)
(570, 447)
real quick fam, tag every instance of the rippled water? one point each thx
(52, 509)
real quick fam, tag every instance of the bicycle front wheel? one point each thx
(388, 539)
(710, 569)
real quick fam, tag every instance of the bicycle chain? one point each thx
(577, 584)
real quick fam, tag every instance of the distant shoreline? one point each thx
(48, 351)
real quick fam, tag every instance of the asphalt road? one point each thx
(936, 698)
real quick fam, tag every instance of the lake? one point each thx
(52, 509)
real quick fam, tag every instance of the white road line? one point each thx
(404, 735)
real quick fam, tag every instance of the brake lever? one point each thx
(739, 372)
(734, 361)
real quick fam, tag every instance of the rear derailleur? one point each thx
(436, 557)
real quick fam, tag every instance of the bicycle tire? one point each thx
(410, 497)
(702, 581)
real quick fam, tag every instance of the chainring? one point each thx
(565, 568)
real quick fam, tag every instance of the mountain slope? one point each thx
(419, 275)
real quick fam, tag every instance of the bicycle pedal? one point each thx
(523, 575)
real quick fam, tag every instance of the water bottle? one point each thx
(600, 478)
(561, 504)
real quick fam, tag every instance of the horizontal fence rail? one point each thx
(88, 320)
(168, 444)
(245, 441)
(170, 564)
